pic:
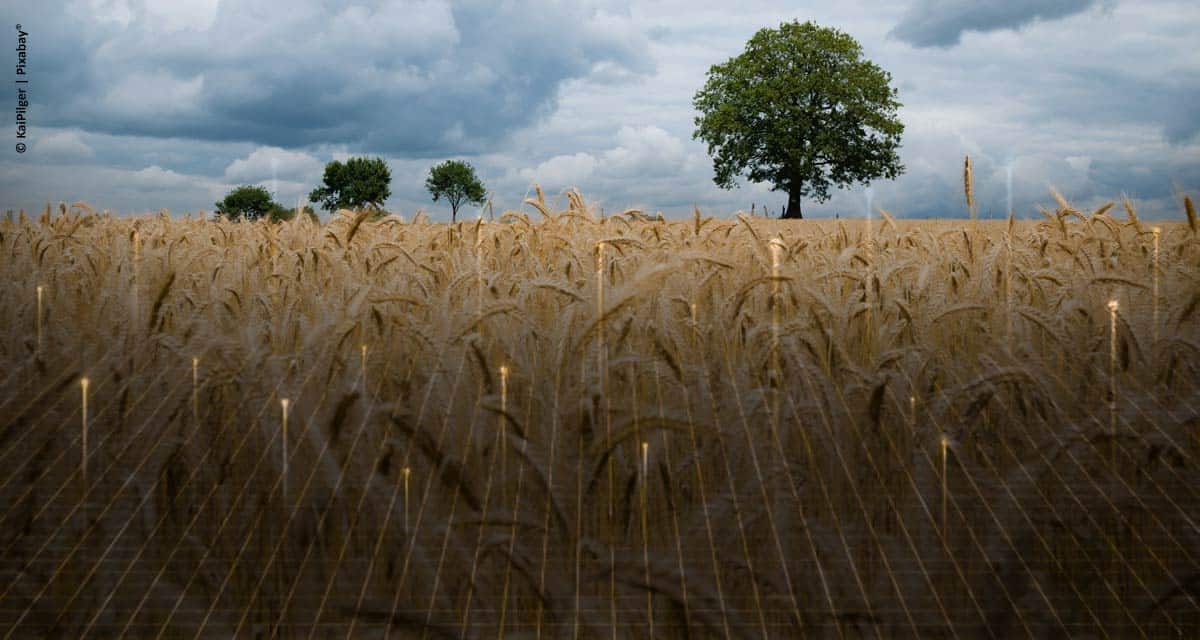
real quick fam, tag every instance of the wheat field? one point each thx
(561, 426)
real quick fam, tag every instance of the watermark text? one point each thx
(22, 84)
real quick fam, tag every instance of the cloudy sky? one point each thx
(139, 105)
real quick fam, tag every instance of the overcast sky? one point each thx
(146, 104)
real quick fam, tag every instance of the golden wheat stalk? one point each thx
(266, 307)
(969, 186)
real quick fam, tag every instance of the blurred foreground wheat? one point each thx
(573, 427)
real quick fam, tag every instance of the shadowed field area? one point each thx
(567, 426)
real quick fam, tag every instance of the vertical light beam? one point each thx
(504, 431)
(1008, 306)
(407, 473)
(1113, 306)
(1154, 319)
(83, 390)
(137, 260)
(479, 269)
(603, 370)
(646, 534)
(777, 246)
(196, 389)
(363, 367)
(40, 293)
(283, 405)
(695, 332)
(945, 490)
(912, 419)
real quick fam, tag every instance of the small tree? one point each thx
(355, 184)
(245, 202)
(457, 183)
(802, 109)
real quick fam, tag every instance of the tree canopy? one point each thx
(252, 203)
(455, 181)
(354, 184)
(245, 202)
(802, 109)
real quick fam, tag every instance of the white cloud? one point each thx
(562, 172)
(61, 145)
(641, 152)
(117, 11)
(273, 163)
(176, 15)
(122, 190)
(397, 29)
(1079, 163)
(154, 94)
(155, 178)
(645, 151)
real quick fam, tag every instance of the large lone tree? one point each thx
(800, 108)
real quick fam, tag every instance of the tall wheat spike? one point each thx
(969, 186)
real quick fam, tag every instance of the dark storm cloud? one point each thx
(941, 23)
(1103, 97)
(144, 104)
(408, 78)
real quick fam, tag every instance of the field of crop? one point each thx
(557, 426)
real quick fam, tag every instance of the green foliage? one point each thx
(355, 184)
(800, 108)
(245, 202)
(280, 213)
(457, 183)
(252, 203)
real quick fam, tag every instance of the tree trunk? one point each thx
(793, 205)
(453, 214)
